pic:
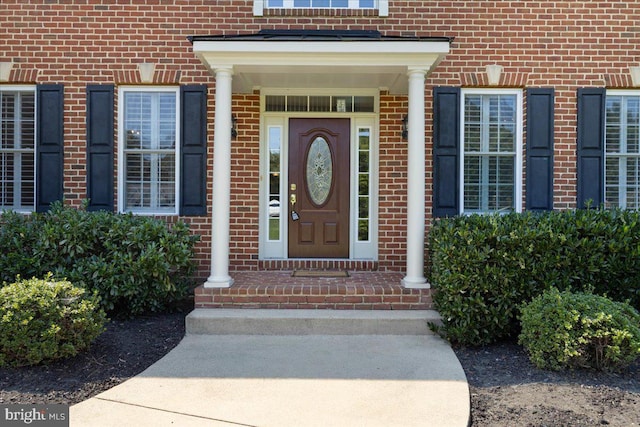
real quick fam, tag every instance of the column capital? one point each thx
(416, 71)
(223, 70)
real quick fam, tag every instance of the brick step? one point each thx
(309, 322)
(280, 290)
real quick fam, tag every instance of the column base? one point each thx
(415, 283)
(218, 282)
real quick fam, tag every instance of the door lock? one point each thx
(292, 199)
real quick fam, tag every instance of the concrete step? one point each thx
(310, 322)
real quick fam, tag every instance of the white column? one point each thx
(416, 183)
(221, 182)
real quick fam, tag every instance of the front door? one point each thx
(319, 188)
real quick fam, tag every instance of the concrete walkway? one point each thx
(298, 379)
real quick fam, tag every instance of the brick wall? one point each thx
(564, 44)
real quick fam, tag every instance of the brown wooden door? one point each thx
(319, 180)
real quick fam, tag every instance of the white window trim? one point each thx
(622, 175)
(32, 89)
(519, 142)
(121, 145)
(260, 5)
(358, 250)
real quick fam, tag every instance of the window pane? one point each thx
(363, 161)
(342, 104)
(363, 230)
(612, 181)
(613, 126)
(363, 104)
(7, 137)
(275, 103)
(633, 121)
(363, 207)
(167, 121)
(363, 184)
(296, 103)
(472, 183)
(319, 103)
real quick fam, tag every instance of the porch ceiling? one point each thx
(316, 60)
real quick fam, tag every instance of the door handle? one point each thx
(293, 200)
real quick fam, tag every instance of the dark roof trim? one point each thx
(315, 35)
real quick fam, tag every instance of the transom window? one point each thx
(622, 150)
(491, 151)
(148, 154)
(17, 149)
(381, 7)
(335, 4)
(320, 103)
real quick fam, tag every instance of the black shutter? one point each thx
(446, 151)
(193, 185)
(100, 190)
(50, 141)
(540, 149)
(591, 107)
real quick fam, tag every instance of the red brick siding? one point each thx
(563, 44)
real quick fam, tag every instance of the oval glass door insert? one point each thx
(319, 171)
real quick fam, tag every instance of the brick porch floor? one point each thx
(362, 290)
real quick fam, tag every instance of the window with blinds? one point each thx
(622, 150)
(150, 151)
(489, 151)
(17, 149)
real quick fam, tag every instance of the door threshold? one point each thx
(293, 264)
(320, 273)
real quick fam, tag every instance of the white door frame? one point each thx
(274, 124)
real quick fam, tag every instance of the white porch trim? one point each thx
(372, 64)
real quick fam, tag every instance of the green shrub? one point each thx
(19, 235)
(137, 264)
(45, 319)
(485, 266)
(578, 330)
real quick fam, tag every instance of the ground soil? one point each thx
(506, 389)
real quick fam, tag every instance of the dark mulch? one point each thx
(126, 348)
(506, 389)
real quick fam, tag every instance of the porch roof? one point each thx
(320, 58)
